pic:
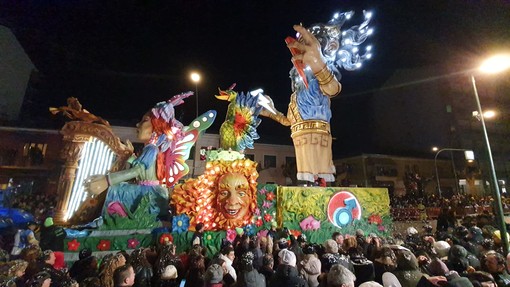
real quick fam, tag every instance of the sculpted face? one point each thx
(234, 195)
(144, 128)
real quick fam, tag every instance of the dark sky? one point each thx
(121, 57)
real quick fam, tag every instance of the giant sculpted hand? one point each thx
(96, 184)
(310, 54)
(310, 49)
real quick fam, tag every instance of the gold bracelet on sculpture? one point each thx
(324, 76)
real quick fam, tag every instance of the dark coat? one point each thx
(287, 276)
(52, 238)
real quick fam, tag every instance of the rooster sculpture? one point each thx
(239, 130)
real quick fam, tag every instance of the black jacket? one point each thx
(52, 238)
(287, 276)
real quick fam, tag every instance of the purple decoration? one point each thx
(310, 223)
(116, 207)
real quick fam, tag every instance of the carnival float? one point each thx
(113, 200)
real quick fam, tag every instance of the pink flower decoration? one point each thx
(257, 211)
(231, 235)
(133, 243)
(262, 233)
(116, 207)
(267, 204)
(381, 228)
(263, 191)
(310, 223)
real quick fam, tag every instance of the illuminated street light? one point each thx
(493, 65)
(489, 114)
(195, 78)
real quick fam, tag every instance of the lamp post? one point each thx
(195, 78)
(467, 152)
(493, 65)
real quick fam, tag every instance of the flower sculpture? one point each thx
(73, 245)
(208, 238)
(180, 223)
(133, 243)
(375, 219)
(166, 238)
(294, 232)
(267, 204)
(103, 245)
(270, 196)
(249, 230)
(116, 207)
(259, 222)
(231, 235)
(268, 217)
(262, 233)
(310, 223)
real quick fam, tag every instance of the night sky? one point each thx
(121, 57)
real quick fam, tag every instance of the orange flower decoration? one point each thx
(270, 196)
(166, 238)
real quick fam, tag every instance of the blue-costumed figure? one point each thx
(160, 165)
(317, 54)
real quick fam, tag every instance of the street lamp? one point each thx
(195, 78)
(468, 154)
(493, 65)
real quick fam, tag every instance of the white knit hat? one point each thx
(287, 257)
(169, 273)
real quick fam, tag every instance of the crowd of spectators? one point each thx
(457, 200)
(452, 255)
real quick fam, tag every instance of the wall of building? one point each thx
(374, 170)
(15, 70)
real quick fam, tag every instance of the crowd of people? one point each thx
(457, 200)
(453, 255)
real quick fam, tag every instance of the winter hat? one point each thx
(84, 253)
(442, 248)
(331, 246)
(287, 257)
(437, 267)
(309, 249)
(411, 231)
(247, 259)
(282, 243)
(370, 284)
(170, 272)
(454, 280)
(59, 260)
(390, 280)
(214, 274)
(48, 222)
